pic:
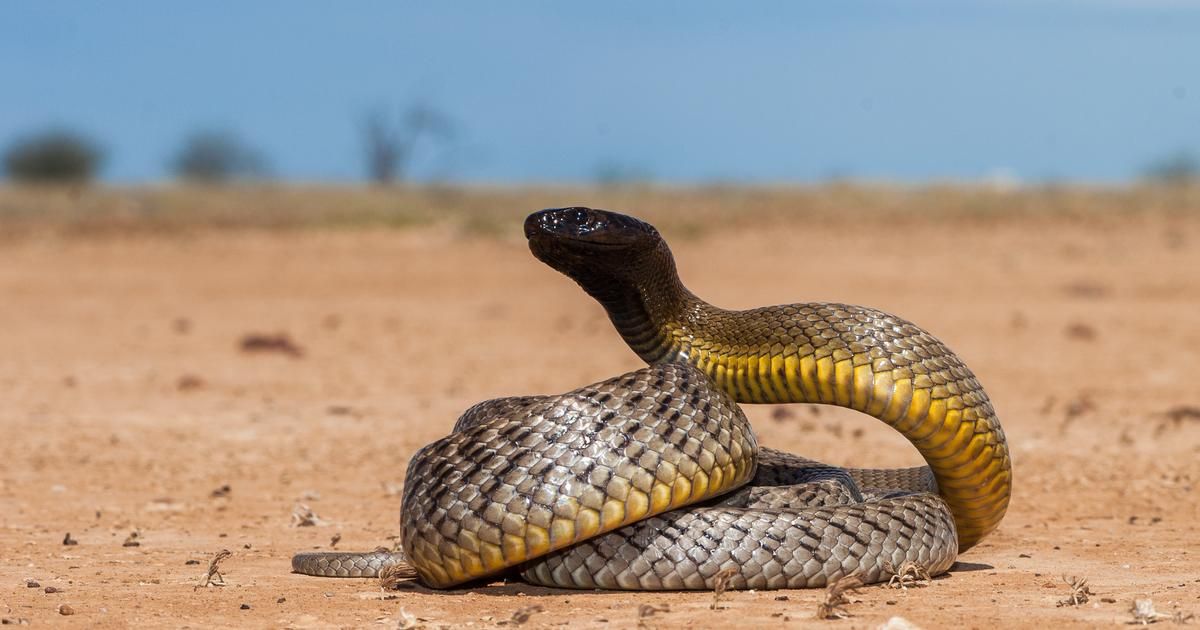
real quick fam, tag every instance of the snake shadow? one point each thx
(510, 588)
(495, 588)
(967, 567)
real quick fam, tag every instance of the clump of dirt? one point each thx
(280, 343)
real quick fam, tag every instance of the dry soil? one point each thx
(134, 423)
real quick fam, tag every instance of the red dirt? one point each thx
(129, 404)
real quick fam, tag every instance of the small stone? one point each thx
(67, 540)
(899, 623)
(64, 609)
(51, 589)
(781, 598)
(281, 600)
(192, 562)
(189, 382)
(32, 584)
(245, 606)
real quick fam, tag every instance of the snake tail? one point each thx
(353, 564)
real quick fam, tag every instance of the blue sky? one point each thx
(681, 91)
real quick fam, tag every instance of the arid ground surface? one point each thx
(132, 413)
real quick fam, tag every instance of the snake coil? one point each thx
(653, 480)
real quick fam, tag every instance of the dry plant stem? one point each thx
(833, 606)
(721, 583)
(1144, 614)
(523, 614)
(393, 575)
(909, 574)
(408, 621)
(213, 576)
(1080, 591)
(304, 516)
(645, 611)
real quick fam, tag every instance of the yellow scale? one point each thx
(472, 558)
(933, 417)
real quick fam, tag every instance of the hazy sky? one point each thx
(683, 91)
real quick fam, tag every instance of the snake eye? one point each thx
(575, 221)
(578, 221)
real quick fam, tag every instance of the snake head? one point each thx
(578, 240)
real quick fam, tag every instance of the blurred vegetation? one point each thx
(390, 144)
(617, 173)
(1179, 168)
(217, 157)
(498, 212)
(53, 156)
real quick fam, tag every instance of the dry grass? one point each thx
(720, 585)
(304, 516)
(1080, 591)
(213, 577)
(833, 605)
(484, 210)
(392, 576)
(1144, 613)
(909, 573)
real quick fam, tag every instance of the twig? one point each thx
(833, 606)
(1080, 591)
(304, 516)
(645, 611)
(909, 574)
(721, 584)
(213, 576)
(523, 614)
(392, 575)
(1144, 613)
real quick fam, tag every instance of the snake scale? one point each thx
(653, 480)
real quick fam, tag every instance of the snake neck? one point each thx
(648, 309)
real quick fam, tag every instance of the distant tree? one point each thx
(1178, 168)
(56, 155)
(389, 144)
(215, 157)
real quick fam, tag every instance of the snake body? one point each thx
(584, 489)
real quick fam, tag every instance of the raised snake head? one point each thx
(585, 244)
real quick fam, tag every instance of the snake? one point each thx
(653, 480)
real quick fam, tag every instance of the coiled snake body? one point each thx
(585, 489)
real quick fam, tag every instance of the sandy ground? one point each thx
(133, 421)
